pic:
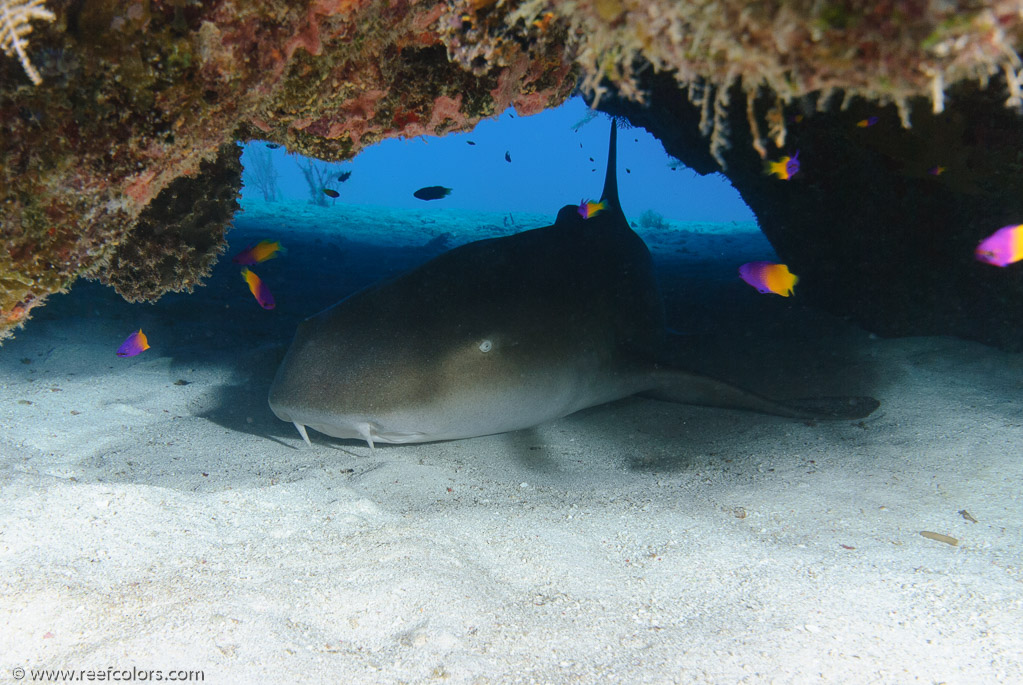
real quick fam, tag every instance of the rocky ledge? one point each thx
(119, 121)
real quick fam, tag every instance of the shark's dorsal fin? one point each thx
(610, 192)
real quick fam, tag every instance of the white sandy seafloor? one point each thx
(154, 514)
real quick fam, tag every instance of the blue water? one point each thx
(550, 167)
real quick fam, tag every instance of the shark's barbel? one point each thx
(499, 335)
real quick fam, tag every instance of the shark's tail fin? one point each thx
(610, 192)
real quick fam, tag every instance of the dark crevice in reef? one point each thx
(872, 232)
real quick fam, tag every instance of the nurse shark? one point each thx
(504, 334)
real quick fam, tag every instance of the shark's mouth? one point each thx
(366, 430)
(360, 428)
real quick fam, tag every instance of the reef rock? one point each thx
(106, 105)
(112, 103)
(881, 221)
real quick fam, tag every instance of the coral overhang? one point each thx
(133, 96)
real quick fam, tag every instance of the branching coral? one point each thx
(15, 16)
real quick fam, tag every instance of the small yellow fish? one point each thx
(768, 277)
(785, 168)
(259, 252)
(259, 290)
(136, 343)
(589, 209)
(1003, 247)
(544, 21)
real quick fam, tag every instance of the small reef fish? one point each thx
(330, 192)
(1003, 247)
(470, 142)
(864, 123)
(507, 156)
(345, 175)
(768, 277)
(936, 170)
(137, 343)
(589, 209)
(544, 21)
(785, 168)
(259, 290)
(272, 146)
(432, 193)
(260, 252)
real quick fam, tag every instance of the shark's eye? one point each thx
(486, 346)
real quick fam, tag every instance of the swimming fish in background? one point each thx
(936, 170)
(588, 209)
(259, 290)
(507, 156)
(432, 193)
(330, 192)
(135, 344)
(345, 175)
(785, 168)
(768, 277)
(260, 252)
(1003, 247)
(864, 123)
(272, 146)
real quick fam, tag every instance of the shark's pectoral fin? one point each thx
(674, 385)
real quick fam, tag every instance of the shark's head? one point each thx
(408, 374)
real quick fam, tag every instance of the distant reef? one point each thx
(120, 118)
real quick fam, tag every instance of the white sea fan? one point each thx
(15, 16)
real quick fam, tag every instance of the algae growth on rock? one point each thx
(132, 98)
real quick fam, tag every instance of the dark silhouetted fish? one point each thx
(432, 193)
